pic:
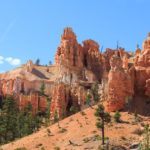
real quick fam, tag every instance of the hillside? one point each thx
(80, 129)
(81, 74)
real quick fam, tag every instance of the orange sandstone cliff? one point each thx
(77, 67)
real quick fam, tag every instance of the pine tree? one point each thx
(88, 99)
(117, 116)
(15, 123)
(95, 93)
(102, 118)
(56, 118)
(37, 62)
(9, 119)
(50, 62)
(20, 124)
(2, 129)
(48, 111)
(146, 141)
(72, 109)
(42, 89)
(128, 101)
(29, 120)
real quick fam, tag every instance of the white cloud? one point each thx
(9, 59)
(1, 57)
(1, 61)
(13, 61)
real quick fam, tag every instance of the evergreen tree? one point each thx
(128, 101)
(50, 62)
(2, 129)
(20, 124)
(37, 62)
(15, 123)
(102, 118)
(42, 89)
(73, 110)
(146, 140)
(56, 118)
(117, 116)
(95, 93)
(8, 119)
(48, 111)
(31, 122)
(88, 99)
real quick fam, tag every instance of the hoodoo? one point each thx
(76, 69)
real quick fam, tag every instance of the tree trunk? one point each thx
(103, 134)
(58, 124)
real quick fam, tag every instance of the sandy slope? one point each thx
(80, 130)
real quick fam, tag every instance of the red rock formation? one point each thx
(92, 59)
(73, 59)
(39, 103)
(70, 52)
(120, 53)
(125, 62)
(142, 67)
(143, 57)
(75, 64)
(147, 91)
(60, 99)
(29, 66)
(77, 67)
(26, 91)
(107, 56)
(64, 97)
(119, 85)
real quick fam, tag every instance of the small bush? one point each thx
(123, 138)
(97, 137)
(138, 131)
(48, 132)
(94, 131)
(117, 116)
(118, 148)
(73, 110)
(137, 118)
(21, 148)
(38, 145)
(83, 113)
(63, 130)
(86, 140)
(42, 148)
(100, 147)
(56, 148)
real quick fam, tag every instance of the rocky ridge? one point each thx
(121, 76)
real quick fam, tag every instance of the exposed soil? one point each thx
(78, 132)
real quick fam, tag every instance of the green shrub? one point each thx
(21, 148)
(117, 116)
(83, 113)
(42, 148)
(56, 148)
(62, 130)
(138, 131)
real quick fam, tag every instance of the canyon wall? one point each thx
(77, 67)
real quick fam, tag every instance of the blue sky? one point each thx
(31, 29)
